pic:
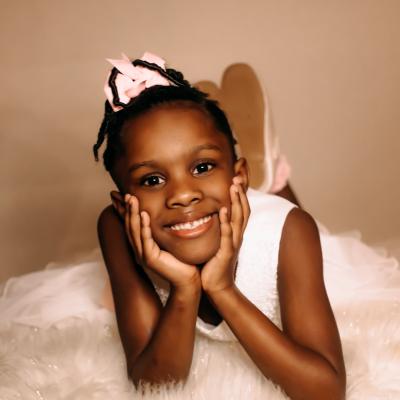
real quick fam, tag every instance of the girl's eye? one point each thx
(203, 168)
(152, 180)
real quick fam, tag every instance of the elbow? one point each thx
(339, 388)
(332, 386)
(154, 375)
(146, 384)
(329, 382)
(337, 382)
(334, 392)
(328, 386)
(148, 381)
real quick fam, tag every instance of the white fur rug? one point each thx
(83, 359)
(47, 354)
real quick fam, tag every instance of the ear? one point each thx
(241, 171)
(118, 202)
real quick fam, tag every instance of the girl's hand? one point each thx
(149, 254)
(219, 273)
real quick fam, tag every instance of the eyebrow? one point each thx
(207, 146)
(152, 163)
(136, 166)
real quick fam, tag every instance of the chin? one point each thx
(196, 256)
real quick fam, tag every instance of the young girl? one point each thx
(225, 302)
(182, 214)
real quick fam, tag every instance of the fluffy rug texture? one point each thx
(82, 359)
(62, 345)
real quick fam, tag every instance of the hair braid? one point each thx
(172, 75)
(111, 82)
(102, 131)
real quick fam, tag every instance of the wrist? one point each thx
(215, 279)
(190, 285)
(185, 296)
(221, 291)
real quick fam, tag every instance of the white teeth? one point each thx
(191, 225)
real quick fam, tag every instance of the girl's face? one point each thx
(180, 168)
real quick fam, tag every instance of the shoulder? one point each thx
(115, 246)
(300, 249)
(111, 233)
(299, 223)
(108, 219)
(107, 215)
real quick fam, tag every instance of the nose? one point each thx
(183, 194)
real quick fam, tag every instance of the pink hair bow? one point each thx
(131, 80)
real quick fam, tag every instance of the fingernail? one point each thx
(237, 180)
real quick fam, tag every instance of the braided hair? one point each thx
(180, 93)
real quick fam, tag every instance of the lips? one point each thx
(191, 228)
(191, 225)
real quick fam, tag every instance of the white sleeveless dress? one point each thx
(255, 279)
(57, 342)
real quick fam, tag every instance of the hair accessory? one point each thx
(126, 81)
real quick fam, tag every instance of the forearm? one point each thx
(168, 355)
(301, 372)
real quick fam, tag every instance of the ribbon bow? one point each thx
(131, 80)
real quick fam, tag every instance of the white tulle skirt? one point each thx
(58, 342)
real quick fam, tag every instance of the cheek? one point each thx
(151, 203)
(225, 197)
(220, 191)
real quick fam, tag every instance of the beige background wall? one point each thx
(331, 70)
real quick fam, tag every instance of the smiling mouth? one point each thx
(191, 225)
(192, 229)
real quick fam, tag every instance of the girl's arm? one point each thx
(305, 359)
(158, 342)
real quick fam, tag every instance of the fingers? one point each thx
(236, 215)
(127, 219)
(138, 228)
(226, 232)
(243, 201)
(149, 245)
(133, 225)
(240, 211)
